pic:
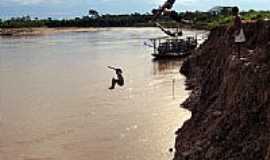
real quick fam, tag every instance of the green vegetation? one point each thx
(245, 15)
(92, 20)
(256, 15)
(19, 22)
(206, 20)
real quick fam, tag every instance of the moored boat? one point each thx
(177, 47)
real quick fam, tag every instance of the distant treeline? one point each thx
(132, 20)
(198, 19)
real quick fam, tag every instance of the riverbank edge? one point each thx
(44, 31)
(230, 98)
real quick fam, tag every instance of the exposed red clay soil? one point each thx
(230, 99)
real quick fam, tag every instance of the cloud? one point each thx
(53, 8)
(186, 1)
(148, 2)
(138, 1)
(31, 2)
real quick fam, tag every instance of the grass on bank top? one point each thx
(246, 16)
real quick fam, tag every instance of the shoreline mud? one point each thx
(42, 31)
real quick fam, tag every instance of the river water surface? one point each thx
(55, 103)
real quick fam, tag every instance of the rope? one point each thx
(169, 33)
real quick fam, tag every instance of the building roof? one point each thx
(220, 8)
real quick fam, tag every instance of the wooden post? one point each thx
(173, 84)
(155, 49)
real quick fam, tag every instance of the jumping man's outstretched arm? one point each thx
(112, 67)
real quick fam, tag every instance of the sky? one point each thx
(78, 8)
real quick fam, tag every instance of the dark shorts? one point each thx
(119, 82)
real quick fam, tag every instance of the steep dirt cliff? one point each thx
(230, 99)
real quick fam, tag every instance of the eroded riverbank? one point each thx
(230, 99)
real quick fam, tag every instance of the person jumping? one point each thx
(120, 78)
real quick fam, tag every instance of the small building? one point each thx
(221, 10)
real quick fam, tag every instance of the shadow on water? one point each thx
(166, 66)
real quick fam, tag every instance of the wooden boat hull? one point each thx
(170, 56)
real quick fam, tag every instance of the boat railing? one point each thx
(164, 45)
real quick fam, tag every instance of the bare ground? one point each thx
(41, 31)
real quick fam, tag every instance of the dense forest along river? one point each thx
(55, 103)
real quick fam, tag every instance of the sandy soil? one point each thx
(41, 31)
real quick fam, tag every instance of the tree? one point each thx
(93, 13)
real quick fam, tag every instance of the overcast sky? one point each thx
(72, 8)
